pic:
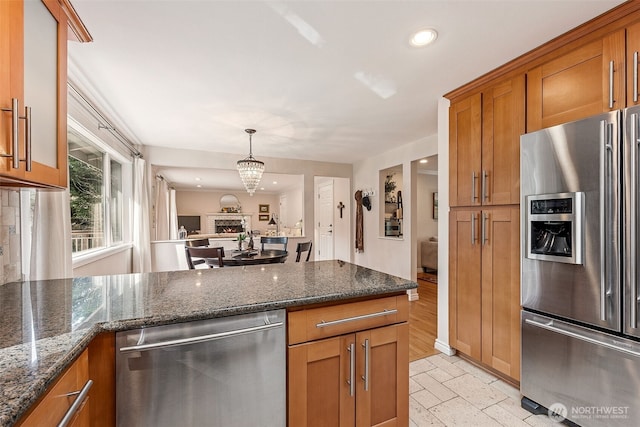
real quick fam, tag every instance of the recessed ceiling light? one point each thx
(423, 37)
(198, 185)
(262, 188)
(275, 182)
(197, 178)
(424, 161)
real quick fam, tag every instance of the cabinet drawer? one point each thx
(325, 322)
(58, 399)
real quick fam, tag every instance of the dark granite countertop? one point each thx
(44, 325)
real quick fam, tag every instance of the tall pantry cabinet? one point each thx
(484, 258)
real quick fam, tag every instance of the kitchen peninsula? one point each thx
(46, 325)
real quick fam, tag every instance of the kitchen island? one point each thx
(46, 325)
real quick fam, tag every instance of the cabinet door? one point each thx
(382, 396)
(578, 84)
(45, 90)
(502, 124)
(319, 377)
(464, 282)
(11, 78)
(465, 142)
(500, 239)
(633, 64)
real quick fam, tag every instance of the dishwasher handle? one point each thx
(201, 338)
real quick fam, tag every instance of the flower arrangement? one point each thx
(241, 238)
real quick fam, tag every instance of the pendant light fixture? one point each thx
(250, 169)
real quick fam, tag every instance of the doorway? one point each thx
(423, 321)
(332, 226)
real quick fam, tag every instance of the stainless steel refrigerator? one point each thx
(579, 278)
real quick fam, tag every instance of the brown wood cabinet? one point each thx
(484, 286)
(53, 406)
(580, 83)
(98, 409)
(484, 145)
(102, 370)
(33, 74)
(359, 378)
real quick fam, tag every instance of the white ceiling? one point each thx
(320, 80)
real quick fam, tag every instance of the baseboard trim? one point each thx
(444, 348)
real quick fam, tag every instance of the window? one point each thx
(96, 194)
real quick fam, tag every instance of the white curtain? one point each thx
(51, 236)
(173, 215)
(141, 262)
(162, 209)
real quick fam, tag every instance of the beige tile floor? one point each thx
(448, 391)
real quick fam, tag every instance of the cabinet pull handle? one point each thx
(27, 136)
(485, 216)
(611, 84)
(82, 396)
(365, 377)
(15, 146)
(385, 312)
(352, 361)
(635, 76)
(474, 196)
(485, 195)
(473, 229)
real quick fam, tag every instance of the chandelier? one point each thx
(250, 169)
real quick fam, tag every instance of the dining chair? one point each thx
(274, 241)
(196, 243)
(303, 247)
(201, 253)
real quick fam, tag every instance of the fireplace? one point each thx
(228, 223)
(228, 226)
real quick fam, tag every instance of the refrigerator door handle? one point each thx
(549, 326)
(606, 131)
(633, 231)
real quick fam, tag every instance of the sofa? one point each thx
(429, 255)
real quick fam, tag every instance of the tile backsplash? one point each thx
(10, 249)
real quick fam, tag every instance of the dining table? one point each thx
(251, 257)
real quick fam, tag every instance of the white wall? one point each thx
(117, 261)
(161, 156)
(391, 254)
(201, 202)
(442, 342)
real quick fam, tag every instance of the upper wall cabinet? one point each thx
(579, 83)
(33, 92)
(484, 140)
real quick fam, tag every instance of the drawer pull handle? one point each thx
(82, 396)
(386, 312)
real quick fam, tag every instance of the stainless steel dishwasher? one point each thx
(226, 372)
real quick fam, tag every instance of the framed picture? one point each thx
(263, 209)
(435, 206)
(263, 217)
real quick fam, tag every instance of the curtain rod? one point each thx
(108, 126)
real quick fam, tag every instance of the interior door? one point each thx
(324, 215)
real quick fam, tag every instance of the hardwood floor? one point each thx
(423, 318)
